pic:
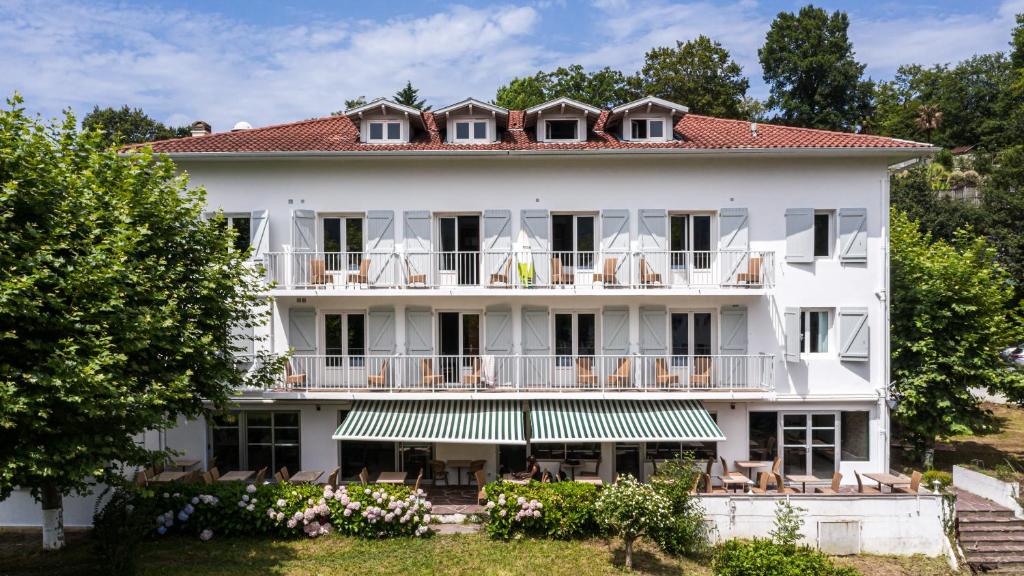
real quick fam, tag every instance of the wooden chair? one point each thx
(317, 272)
(363, 276)
(208, 478)
(214, 473)
(558, 277)
(584, 373)
(608, 276)
(475, 465)
(647, 274)
(419, 480)
(701, 375)
(284, 473)
(278, 478)
(412, 277)
(762, 483)
(861, 488)
(621, 377)
(332, 478)
(381, 378)
(440, 470)
(915, 484)
(430, 378)
(588, 474)
(140, 478)
(697, 479)
(474, 378)
(834, 488)
(364, 476)
(291, 378)
(260, 476)
(753, 273)
(481, 482)
(727, 474)
(662, 377)
(709, 487)
(504, 277)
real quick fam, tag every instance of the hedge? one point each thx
(561, 510)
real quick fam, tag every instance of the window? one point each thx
(413, 457)
(575, 335)
(823, 235)
(270, 439)
(342, 242)
(690, 333)
(459, 342)
(580, 451)
(561, 130)
(459, 239)
(573, 240)
(470, 130)
(809, 444)
(385, 131)
(240, 224)
(354, 455)
(690, 240)
(856, 437)
(345, 336)
(814, 331)
(762, 430)
(647, 129)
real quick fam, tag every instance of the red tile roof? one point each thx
(693, 132)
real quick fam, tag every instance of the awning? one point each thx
(455, 421)
(621, 421)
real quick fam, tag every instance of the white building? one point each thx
(604, 286)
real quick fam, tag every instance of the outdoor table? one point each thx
(887, 479)
(458, 465)
(572, 465)
(306, 476)
(184, 463)
(237, 476)
(392, 477)
(753, 464)
(803, 479)
(734, 482)
(169, 477)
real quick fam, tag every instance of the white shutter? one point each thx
(419, 325)
(536, 361)
(615, 331)
(652, 229)
(303, 230)
(497, 231)
(416, 231)
(854, 339)
(853, 234)
(800, 235)
(259, 233)
(381, 331)
(792, 334)
(380, 231)
(734, 331)
(615, 230)
(653, 330)
(302, 330)
(733, 229)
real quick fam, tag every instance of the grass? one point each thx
(469, 554)
(1002, 443)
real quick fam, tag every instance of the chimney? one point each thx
(753, 129)
(200, 128)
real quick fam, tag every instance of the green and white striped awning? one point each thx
(455, 421)
(621, 421)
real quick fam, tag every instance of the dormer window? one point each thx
(385, 131)
(561, 129)
(471, 121)
(471, 131)
(647, 129)
(649, 119)
(561, 120)
(386, 122)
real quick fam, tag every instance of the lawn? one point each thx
(471, 554)
(1003, 443)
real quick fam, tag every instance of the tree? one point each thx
(602, 88)
(630, 510)
(699, 74)
(1002, 205)
(409, 96)
(119, 308)
(949, 320)
(929, 118)
(129, 126)
(813, 78)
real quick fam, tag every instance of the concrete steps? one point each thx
(991, 537)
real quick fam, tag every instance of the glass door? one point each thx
(575, 348)
(459, 260)
(345, 339)
(342, 242)
(692, 345)
(459, 338)
(809, 444)
(573, 241)
(627, 460)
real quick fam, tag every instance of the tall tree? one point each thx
(128, 126)
(602, 88)
(699, 74)
(410, 97)
(813, 78)
(949, 320)
(120, 308)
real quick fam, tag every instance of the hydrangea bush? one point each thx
(560, 510)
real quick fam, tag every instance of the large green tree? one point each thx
(120, 308)
(408, 96)
(813, 77)
(699, 74)
(129, 126)
(602, 88)
(950, 317)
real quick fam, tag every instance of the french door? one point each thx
(459, 240)
(459, 342)
(575, 336)
(691, 336)
(342, 242)
(809, 444)
(345, 338)
(690, 241)
(573, 238)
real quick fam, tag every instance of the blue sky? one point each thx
(268, 62)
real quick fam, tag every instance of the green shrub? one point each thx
(561, 510)
(629, 509)
(944, 478)
(762, 557)
(685, 532)
(118, 529)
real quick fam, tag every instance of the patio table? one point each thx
(803, 479)
(572, 465)
(184, 463)
(734, 482)
(458, 465)
(237, 476)
(169, 476)
(887, 479)
(392, 477)
(306, 476)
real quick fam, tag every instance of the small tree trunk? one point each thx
(929, 454)
(629, 553)
(53, 517)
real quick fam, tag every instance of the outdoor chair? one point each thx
(558, 277)
(413, 277)
(291, 378)
(208, 478)
(504, 277)
(591, 474)
(481, 482)
(419, 480)
(701, 375)
(915, 484)
(709, 487)
(278, 478)
(475, 465)
(261, 476)
(608, 276)
(364, 476)
(662, 377)
(214, 473)
(861, 488)
(363, 276)
(381, 378)
(753, 273)
(440, 470)
(429, 378)
(781, 488)
(647, 274)
(622, 373)
(474, 378)
(317, 272)
(284, 473)
(834, 488)
(762, 483)
(332, 479)
(584, 373)
(727, 474)
(140, 478)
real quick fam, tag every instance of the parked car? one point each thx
(1014, 355)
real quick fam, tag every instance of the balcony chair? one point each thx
(781, 488)
(915, 484)
(861, 488)
(701, 372)
(474, 378)
(762, 483)
(429, 378)
(662, 377)
(291, 378)
(317, 272)
(558, 276)
(504, 277)
(584, 373)
(363, 276)
(834, 488)
(381, 378)
(621, 377)
(481, 482)
(413, 278)
(608, 277)
(260, 476)
(648, 275)
(753, 273)
(364, 476)
(440, 470)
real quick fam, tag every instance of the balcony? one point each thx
(521, 270)
(518, 373)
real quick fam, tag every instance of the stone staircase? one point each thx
(991, 537)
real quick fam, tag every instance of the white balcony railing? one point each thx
(518, 373)
(522, 269)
